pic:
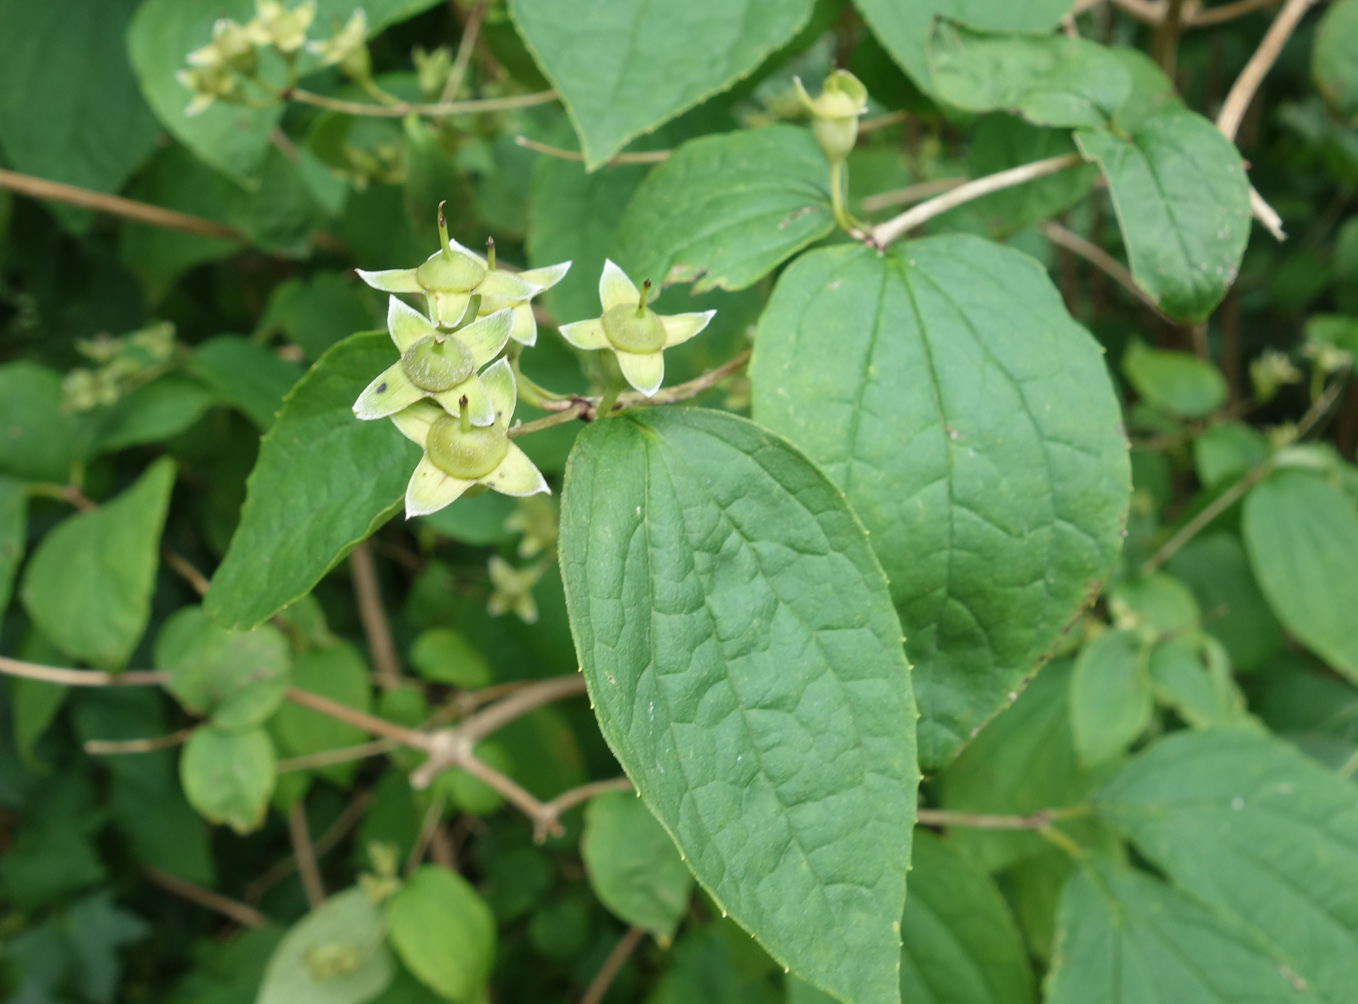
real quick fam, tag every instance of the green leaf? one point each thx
(340, 674)
(69, 107)
(41, 442)
(960, 942)
(151, 413)
(1192, 674)
(625, 67)
(1127, 938)
(745, 666)
(1050, 80)
(724, 211)
(442, 655)
(228, 776)
(1226, 451)
(34, 705)
(13, 532)
(1217, 569)
(444, 932)
(904, 28)
(1333, 67)
(323, 482)
(973, 427)
(236, 678)
(1183, 201)
(88, 586)
(1177, 382)
(336, 954)
(1021, 762)
(246, 375)
(316, 312)
(1301, 533)
(1157, 602)
(1250, 825)
(1110, 696)
(633, 865)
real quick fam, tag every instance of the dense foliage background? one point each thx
(147, 342)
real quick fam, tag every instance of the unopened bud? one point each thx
(834, 114)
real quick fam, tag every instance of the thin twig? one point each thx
(328, 758)
(608, 972)
(400, 109)
(428, 827)
(246, 916)
(910, 193)
(1266, 215)
(1208, 16)
(116, 205)
(1146, 11)
(640, 157)
(81, 677)
(551, 812)
(1247, 84)
(884, 233)
(1165, 44)
(373, 614)
(335, 832)
(882, 121)
(986, 821)
(181, 565)
(105, 747)
(304, 856)
(369, 723)
(465, 46)
(1100, 259)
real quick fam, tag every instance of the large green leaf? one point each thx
(323, 482)
(625, 67)
(88, 586)
(41, 440)
(1302, 534)
(726, 210)
(69, 107)
(13, 531)
(444, 932)
(745, 666)
(1333, 67)
(1050, 80)
(1249, 824)
(246, 375)
(151, 413)
(1216, 568)
(903, 28)
(973, 427)
(228, 776)
(1110, 696)
(1127, 938)
(233, 138)
(336, 954)
(633, 865)
(1183, 201)
(1177, 382)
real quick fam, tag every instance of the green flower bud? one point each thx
(463, 450)
(345, 48)
(437, 364)
(634, 329)
(284, 29)
(208, 84)
(834, 114)
(432, 69)
(232, 45)
(1269, 372)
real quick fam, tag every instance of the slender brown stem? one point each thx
(519, 703)
(884, 233)
(428, 827)
(1146, 11)
(1100, 259)
(639, 157)
(1206, 17)
(80, 677)
(608, 972)
(247, 916)
(302, 852)
(337, 831)
(1247, 84)
(882, 121)
(465, 46)
(327, 758)
(186, 571)
(1266, 215)
(439, 110)
(910, 193)
(105, 747)
(116, 205)
(1165, 44)
(369, 723)
(373, 614)
(551, 812)
(510, 790)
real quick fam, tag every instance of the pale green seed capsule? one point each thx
(634, 329)
(437, 364)
(470, 454)
(455, 273)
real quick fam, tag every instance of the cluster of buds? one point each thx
(1271, 371)
(219, 70)
(453, 391)
(120, 364)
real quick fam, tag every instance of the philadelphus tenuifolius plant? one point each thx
(636, 334)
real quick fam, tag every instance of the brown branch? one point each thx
(369, 723)
(428, 827)
(337, 831)
(400, 109)
(640, 157)
(1100, 259)
(327, 758)
(551, 812)
(882, 121)
(608, 972)
(116, 205)
(185, 570)
(465, 46)
(910, 193)
(884, 233)
(1165, 43)
(1206, 17)
(373, 614)
(1247, 84)
(103, 747)
(247, 916)
(81, 677)
(304, 856)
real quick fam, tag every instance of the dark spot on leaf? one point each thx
(381, 388)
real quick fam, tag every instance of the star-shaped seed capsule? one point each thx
(512, 589)
(637, 335)
(436, 364)
(453, 274)
(459, 456)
